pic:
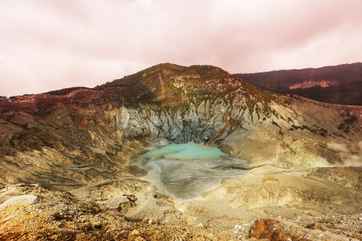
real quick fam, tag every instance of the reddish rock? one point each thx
(271, 230)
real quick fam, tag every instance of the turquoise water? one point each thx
(188, 170)
(189, 151)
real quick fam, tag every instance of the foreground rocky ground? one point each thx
(318, 204)
(67, 162)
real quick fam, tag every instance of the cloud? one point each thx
(54, 44)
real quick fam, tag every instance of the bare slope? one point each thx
(67, 160)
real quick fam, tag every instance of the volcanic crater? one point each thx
(178, 153)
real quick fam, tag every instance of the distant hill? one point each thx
(341, 84)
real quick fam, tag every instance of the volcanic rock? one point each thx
(70, 156)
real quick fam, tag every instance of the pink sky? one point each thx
(54, 44)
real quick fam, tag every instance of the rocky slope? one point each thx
(68, 173)
(339, 84)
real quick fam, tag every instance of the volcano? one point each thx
(179, 153)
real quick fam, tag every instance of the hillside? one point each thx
(341, 84)
(74, 167)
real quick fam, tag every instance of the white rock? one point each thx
(23, 200)
(116, 201)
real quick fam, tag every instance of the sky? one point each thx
(52, 44)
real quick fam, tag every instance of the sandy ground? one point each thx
(309, 204)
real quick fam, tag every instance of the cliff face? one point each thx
(339, 84)
(71, 154)
(85, 130)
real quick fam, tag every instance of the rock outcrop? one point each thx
(70, 153)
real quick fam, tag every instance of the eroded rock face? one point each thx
(201, 104)
(79, 145)
(189, 107)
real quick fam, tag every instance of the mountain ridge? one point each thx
(339, 84)
(68, 160)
